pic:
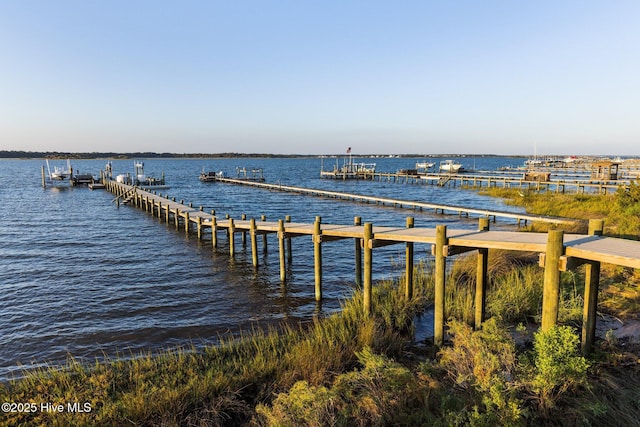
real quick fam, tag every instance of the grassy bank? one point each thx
(620, 210)
(353, 369)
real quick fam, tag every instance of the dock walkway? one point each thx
(508, 179)
(411, 204)
(558, 251)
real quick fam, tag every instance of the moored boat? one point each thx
(450, 166)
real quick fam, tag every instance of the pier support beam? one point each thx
(264, 236)
(551, 291)
(244, 233)
(281, 247)
(232, 239)
(358, 253)
(591, 285)
(440, 272)
(317, 257)
(214, 232)
(368, 266)
(481, 278)
(288, 241)
(254, 242)
(408, 286)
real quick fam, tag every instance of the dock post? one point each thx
(591, 285)
(440, 272)
(186, 222)
(281, 246)
(166, 213)
(254, 242)
(176, 217)
(244, 233)
(358, 253)
(368, 265)
(481, 277)
(44, 181)
(159, 208)
(289, 253)
(408, 286)
(317, 257)
(214, 232)
(264, 236)
(551, 290)
(199, 224)
(231, 229)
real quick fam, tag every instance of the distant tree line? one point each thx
(4, 154)
(146, 154)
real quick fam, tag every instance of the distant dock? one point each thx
(520, 218)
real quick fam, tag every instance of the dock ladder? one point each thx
(443, 180)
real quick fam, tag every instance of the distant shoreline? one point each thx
(5, 154)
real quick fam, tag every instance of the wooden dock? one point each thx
(520, 218)
(503, 179)
(558, 251)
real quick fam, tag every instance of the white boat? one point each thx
(424, 165)
(140, 178)
(450, 166)
(59, 173)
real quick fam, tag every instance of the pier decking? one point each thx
(558, 251)
(510, 179)
(409, 204)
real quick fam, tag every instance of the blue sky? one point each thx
(316, 77)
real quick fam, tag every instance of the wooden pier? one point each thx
(559, 251)
(505, 180)
(408, 204)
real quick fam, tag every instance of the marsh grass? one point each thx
(219, 385)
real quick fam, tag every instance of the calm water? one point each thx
(81, 277)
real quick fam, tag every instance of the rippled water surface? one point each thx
(82, 277)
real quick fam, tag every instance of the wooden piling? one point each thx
(288, 241)
(231, 229)
(368, 266)
(358, 253)
(408, 286)
(281, 247)
(44, 180)
(481, 278)
(244, 233)
(440, 272)
(214, 232)
(263, 218)
(254, 242)
(199, 224)
(186, 222)
(317, 257)
(551, 291)
(591, 285)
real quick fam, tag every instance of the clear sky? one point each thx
(316, 77)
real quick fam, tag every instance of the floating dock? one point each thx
(558, 251)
